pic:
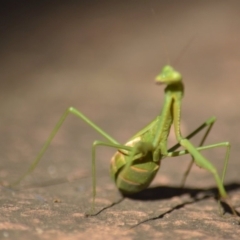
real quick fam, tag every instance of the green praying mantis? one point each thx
(135, 164)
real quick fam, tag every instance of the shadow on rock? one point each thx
(158, 193)
(166, 192)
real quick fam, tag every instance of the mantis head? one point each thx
(168, 76)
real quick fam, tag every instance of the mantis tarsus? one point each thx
(136, 163)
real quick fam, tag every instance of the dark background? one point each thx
(101, 57)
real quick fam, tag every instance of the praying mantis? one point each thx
(135, 164)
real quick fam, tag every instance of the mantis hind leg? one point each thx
(75, 112)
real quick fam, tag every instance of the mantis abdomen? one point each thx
(136, 176)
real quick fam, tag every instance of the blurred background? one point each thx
(102, 57)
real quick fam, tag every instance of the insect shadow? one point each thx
(165, 192)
